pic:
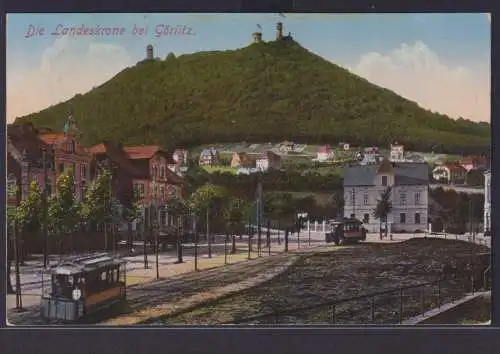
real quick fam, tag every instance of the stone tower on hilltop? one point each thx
(279, 31)
(257, 37)
(149, 52)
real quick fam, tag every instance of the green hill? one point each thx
(264, 92)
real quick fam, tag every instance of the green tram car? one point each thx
(83, 286)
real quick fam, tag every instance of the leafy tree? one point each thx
(64, 213)
(11, 216)
(475, 177)
(98, 206)
(234, 215)
(338, 203)
(28, 214)
(208, 198)
(383, 208)
(178, 208)
(284, 211)
(259, 93)
(132, 212)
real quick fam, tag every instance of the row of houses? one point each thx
(456, 173)
(42, 157)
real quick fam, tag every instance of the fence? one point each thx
(392, 306)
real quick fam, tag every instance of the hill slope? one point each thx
(264, 92)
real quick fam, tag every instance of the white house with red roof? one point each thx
(325, 153)
(450, 174)
(268, 160)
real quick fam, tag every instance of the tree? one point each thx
(178, 208)
(64, 212)
(97, 207)
(28, 214)
(208, 198)
(234, 216)
(131, 213)
(11, 216)
(338, 203)
(284, 211)
(383, 208)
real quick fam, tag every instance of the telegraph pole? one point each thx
(45, 207)
(19, 300)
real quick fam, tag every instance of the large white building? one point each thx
(409, 183)
(487, 201)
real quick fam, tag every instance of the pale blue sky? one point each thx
(451, 43)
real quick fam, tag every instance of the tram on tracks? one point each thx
(83, 286)
(346, 231)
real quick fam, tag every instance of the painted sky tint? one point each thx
(441, 61)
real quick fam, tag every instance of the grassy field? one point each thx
(347, 272)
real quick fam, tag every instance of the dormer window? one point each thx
(384, 181)
(162, 172)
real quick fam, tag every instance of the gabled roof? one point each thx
(385, 166)
(454, 167)
(405, 173)
(52, 138)
(25, 138)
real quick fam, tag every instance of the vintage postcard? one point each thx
(248, 169)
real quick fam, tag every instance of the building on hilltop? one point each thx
(149, 52)
(257, 37)
(409, 183)
(397, 153)
(241, 159)
(450, 173)
(268, 160)
(279, 33)
(209, 157)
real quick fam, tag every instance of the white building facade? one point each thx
(409, 183)
(487, 201)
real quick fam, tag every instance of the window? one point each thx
(141, 189)
(73, 169)
(155, 171)
(417, 198)
(384, 180)
(353, 216)
(417, 218)
(71, 146)
(83, 171)
(352, 197)
(61, 168)
(162, 191)
(402, 218)
(365, 199)
(402, 198)
(48, 186)
(366, 218)
(162, 172)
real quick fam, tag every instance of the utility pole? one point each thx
(144, 228)
(259, 214)
(471, 228)
(45, 207)
(19, 300)
(209, 239)
(195, 242)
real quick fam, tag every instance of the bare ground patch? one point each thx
(348, 272)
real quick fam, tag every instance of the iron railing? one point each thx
(392, 306)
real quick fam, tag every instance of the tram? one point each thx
(83, 286)
(345, 231)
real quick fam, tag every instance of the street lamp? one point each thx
(45, 210)
(154, 224)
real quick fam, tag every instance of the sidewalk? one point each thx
(141, 275)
